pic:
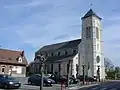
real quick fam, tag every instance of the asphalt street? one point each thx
(30, 87)
(24, 85)
(111, 85)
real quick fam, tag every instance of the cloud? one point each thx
(32, 3)
(31, 24)
(61, 37)
(111, 39)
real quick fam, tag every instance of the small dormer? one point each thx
(19, 59)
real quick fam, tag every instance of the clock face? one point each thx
(98, 59)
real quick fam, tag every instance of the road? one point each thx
(111, 85)
(24, 85)
(30, 87)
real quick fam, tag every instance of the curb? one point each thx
(85, 86)
(79, 87)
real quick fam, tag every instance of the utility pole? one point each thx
(98, 72)
(68, 73)
(41, 59)
(41, 84)
(83, 66)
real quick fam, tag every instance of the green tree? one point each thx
(110, 74)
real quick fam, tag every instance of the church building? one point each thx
(87, 52)
(91, 47)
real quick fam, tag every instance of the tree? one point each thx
(110, 74)
(108, 64)
(117, 71)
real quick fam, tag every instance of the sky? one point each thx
(30, 24)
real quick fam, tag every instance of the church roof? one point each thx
(62, 45)
(58, 59)
(90, 13)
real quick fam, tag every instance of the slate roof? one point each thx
(90, 13)
(63, 45)
(11, 57)
(57, 59)
(60, 46)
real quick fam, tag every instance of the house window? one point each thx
(74, 51)
(88, 32)
(66, 52)
(10, 66)
(3, 69)
(97, 33)
(58, 53)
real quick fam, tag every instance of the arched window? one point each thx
(97, 46)
(52, 54)
(66, 52)
(58, 53)
(88, 32)
(97, 33)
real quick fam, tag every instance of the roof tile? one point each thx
(10, 56)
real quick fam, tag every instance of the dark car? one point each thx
(53, 77)
(63, 78)
(36, 78)
(7, 81)
(74, 80)
(87, 78)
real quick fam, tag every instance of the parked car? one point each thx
(75, 80)
(7, 81)
(72, 80)
(53, 77)
(88, 79)
(63, 78)
(36, 78)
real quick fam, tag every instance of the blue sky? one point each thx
(30, 24)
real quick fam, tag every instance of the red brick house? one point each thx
(13, 63)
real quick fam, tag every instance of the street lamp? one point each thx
(41, 59)
(98, 73)
(68, 72)
(83, 66)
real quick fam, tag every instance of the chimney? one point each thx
(22, 54)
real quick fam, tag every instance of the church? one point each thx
(87, 52)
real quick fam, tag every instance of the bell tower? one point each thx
(92, 55)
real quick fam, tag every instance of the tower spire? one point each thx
(91, 6)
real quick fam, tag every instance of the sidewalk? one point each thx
(83, 86)
(78, 86)
(74, 86)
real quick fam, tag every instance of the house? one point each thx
(87, 52)
(13, 63)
